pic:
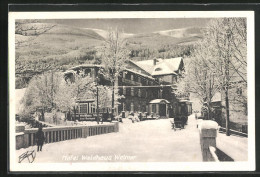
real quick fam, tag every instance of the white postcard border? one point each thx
(160, 166)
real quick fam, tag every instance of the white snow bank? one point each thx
(208, 124)
(234, 146)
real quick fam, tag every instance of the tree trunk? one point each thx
(208, 117)
(42, 118)
(113, 102)
(227, 112)
(74, 110)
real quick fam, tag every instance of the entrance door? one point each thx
(162, 109)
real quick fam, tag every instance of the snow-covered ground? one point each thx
(235, 146)
(146, 141)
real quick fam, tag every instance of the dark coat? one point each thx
(40, 137)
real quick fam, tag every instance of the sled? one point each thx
(30, 155)
(177, 125)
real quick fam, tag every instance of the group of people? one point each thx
(134, 117)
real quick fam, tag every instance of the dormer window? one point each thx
(158, 69)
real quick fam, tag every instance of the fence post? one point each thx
(116, 126)
(22, 139)
(208, 134)
(85, 132)
(19, 140)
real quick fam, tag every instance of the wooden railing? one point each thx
(55, 134)
(128, 81)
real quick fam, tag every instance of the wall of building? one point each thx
(137, 98)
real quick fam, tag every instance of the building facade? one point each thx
(147, 85)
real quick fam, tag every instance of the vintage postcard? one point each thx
(131, 91)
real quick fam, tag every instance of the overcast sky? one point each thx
(137, 25)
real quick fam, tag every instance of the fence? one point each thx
(27, 138)
(243, 128)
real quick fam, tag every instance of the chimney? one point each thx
(154, 61)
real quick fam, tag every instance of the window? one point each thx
(139, 92)
(139, 79)
(124, 91)
(83, 108)
(132, 107)
(139, 107)
(123, 106)
(123, 74)
(154, 108)
(93, 108)
(132, 91)
(158, 69)
(132, 77)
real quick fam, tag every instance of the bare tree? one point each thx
(30, 29)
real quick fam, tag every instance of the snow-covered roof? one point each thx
(85, 66)
(144, 75)
(162, 66)
(159, 101)
(72, 70)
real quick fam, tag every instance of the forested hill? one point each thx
(41, 47)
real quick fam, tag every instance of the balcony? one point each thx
(131, 82)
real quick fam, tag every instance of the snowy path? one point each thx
(147, 141)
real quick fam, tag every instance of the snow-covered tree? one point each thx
(228, 44)
(219, 62)
(41, 92)
(114, 55)
(70, 91)
(199, 78)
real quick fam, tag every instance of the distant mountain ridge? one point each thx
(182, 32)
(62, 47)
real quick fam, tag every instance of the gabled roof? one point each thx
(162, 67)
(138, 73)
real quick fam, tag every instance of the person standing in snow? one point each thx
(39, 139)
